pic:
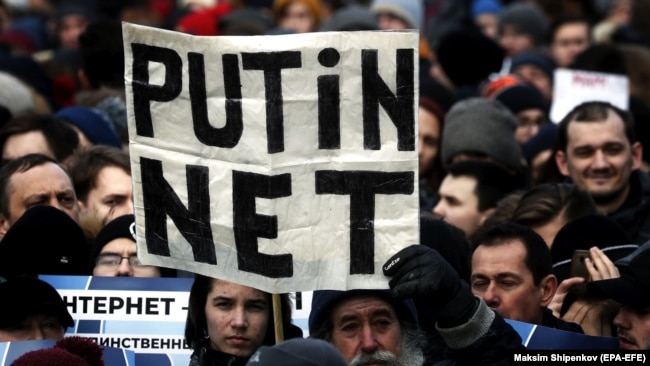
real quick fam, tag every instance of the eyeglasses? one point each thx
(113, 261)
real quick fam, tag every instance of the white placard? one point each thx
(285, 163)
(573, 87)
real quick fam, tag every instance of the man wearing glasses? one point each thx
(114, 252)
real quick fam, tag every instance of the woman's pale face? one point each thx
(237, 317)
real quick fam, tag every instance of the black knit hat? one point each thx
(298, 352)
(324, 301)
(26, 296)
(120, 227)
(44, 240)
(520, 97)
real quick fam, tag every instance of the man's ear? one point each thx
(562, 164)
(547, 288)
(484, 215)
(4, 226)
(637, 155)
(82, 206)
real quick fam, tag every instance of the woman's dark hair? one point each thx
(196, 322)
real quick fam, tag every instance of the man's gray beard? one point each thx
(412, 353)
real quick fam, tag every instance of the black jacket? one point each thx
(486, 339)
(550, 321)
(203, 355)
(634, 215)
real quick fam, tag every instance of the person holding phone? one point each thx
(511, 271)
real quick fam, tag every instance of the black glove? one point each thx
(420, 272)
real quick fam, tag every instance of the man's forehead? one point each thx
(362, 303)
(584, 132)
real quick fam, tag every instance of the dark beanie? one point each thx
(543, 140)
(27, 296)
(586, 232)
(520, 97)
(485, 126)
(351, 18)
(94, 123)
(526, 18)
(70, 351)
(44, 240)
(537, 59)
(298, 352)
(120, 227)
(324, 301)
(435, 98)
(458, 52)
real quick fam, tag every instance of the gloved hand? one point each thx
(420, 272)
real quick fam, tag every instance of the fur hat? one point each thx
(586, 232)
(632, 288)
(526, 18)
(298, 352)
(484, 126)
(94, 123)
(410, 11)
(70, 351)
(26, 296)
(324, 301)
(44, 240)
(458, 50)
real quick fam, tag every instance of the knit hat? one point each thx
(632, 288)
(44, 240)
(520, 97)
(484, 126)
(526, 18)
(120, 227)
(586, 232)
(486, 7)
(539, 60)
(26, 296)
(543, 140)
(14, 95)
(435, 98)
(324, 301)
(410, 11)
(94, 123)
(351, 18)
(83, 8)
(298, 352)
(458, 50)
(70, 351)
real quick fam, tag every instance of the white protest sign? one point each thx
(143, 315)
(573, 87)
(285, 163)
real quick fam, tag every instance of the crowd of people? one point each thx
(508, 196)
